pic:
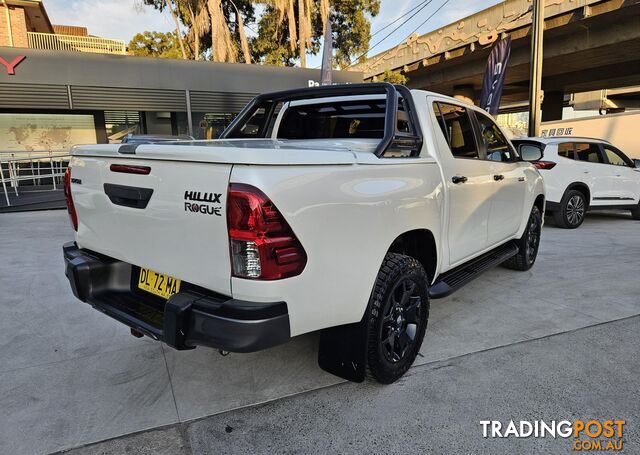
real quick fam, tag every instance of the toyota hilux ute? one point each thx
(339, 209)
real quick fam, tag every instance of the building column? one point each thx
(464, 93)
(101, 129)
(552, 105)
(187, 95)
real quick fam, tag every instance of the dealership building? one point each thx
(60, 86)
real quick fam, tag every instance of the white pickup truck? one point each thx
(340, 209)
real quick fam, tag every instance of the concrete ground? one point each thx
(70, 376)
(436, 408)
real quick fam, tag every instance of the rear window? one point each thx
(260, 124)
(362, 119)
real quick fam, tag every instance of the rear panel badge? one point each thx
(205, 203)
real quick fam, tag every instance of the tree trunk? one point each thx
(291, 17)
(178, 34)
(195, 26)
(302, 34)
(223, 48)
(244, 43)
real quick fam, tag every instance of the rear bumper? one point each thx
(189, 318)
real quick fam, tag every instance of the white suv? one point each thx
(582, 174)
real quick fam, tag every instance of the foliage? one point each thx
(287, 30)
(218, 22)
(278, 37)
(155, 44)
(393, 77)
(352, 29)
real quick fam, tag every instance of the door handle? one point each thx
(458, 179)
(585, 172)
(498, 177)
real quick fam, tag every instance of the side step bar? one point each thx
(454, 279)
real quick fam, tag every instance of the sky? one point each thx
(121, 19)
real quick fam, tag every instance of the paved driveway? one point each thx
(70, 376)
(584, 374)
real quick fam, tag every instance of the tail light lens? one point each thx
(67, 195)
(129, 169)
(262, 245)
(544, 164)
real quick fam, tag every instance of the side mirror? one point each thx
(530, 152)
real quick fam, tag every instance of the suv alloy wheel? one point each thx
(573, 209)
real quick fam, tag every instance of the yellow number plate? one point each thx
(158, 284)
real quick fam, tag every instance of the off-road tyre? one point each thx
(572, 210)
(528, 244)
(398, 312)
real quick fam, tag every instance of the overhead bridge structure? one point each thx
(588, 45)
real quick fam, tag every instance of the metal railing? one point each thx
(16, 167)
(55, 42)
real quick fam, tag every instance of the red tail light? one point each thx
(262, 244)
(67, 195)
(544, 164)
(130, 169)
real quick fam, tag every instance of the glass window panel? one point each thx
(457, 129)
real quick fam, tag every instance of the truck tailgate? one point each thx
(171, 220)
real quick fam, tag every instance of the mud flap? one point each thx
(343, 350)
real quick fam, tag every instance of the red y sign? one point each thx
(11, 67)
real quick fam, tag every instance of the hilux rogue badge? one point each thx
(203, 203)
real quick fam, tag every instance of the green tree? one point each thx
(352, 29)
(155, 44)
(215, 28)
(393, 77)
(288, 30)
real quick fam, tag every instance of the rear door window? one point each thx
(457, 129)
(588, 152)
(566, 150)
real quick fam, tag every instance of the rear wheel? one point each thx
(572, 211)
(635, 213)
(398, 315)
(528, 244)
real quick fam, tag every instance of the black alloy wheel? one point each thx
(528, 244)
(398, 313)
(533, 236)
(399, 328)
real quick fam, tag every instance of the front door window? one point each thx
(616, 157)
